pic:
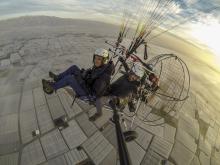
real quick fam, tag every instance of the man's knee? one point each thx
(75, 68)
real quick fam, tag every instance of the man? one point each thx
(123, 89)
(87, 84)
(152, 81)
(151, 84)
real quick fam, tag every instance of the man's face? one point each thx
(152, 78)
(98, 61)
(133, 77)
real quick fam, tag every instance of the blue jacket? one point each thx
(97, 80)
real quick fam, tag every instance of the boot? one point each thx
(53, 76)
(95, 116)
(48, 89)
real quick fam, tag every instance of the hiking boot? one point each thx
(48, 89)
(53, 76)
(87, 98)
(84, 98)
(95, 116)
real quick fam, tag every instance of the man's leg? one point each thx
(100, 102)
(73, 70)
(71, 81)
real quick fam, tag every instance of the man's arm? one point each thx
(124, 64)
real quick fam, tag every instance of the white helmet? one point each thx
(150, 67)
(137, 69)
(102, 53)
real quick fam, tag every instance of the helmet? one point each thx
(137, 69)
(102, 53)
(150, 67)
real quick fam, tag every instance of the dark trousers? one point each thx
(68, 78)
(100, 102)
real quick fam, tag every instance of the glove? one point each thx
(131, 107)
(82, 70)
(121, 59)
(85, 73)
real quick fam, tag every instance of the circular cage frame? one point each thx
(159, 60)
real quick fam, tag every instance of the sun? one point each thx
(208, 34)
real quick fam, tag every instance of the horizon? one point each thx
(200, 30)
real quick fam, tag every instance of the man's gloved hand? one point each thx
(89, 80)
(131, 107)
(87, 76)
(85, 73)
(121, 59)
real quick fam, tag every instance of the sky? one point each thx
(201, 17)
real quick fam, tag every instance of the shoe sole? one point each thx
(46, 90)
